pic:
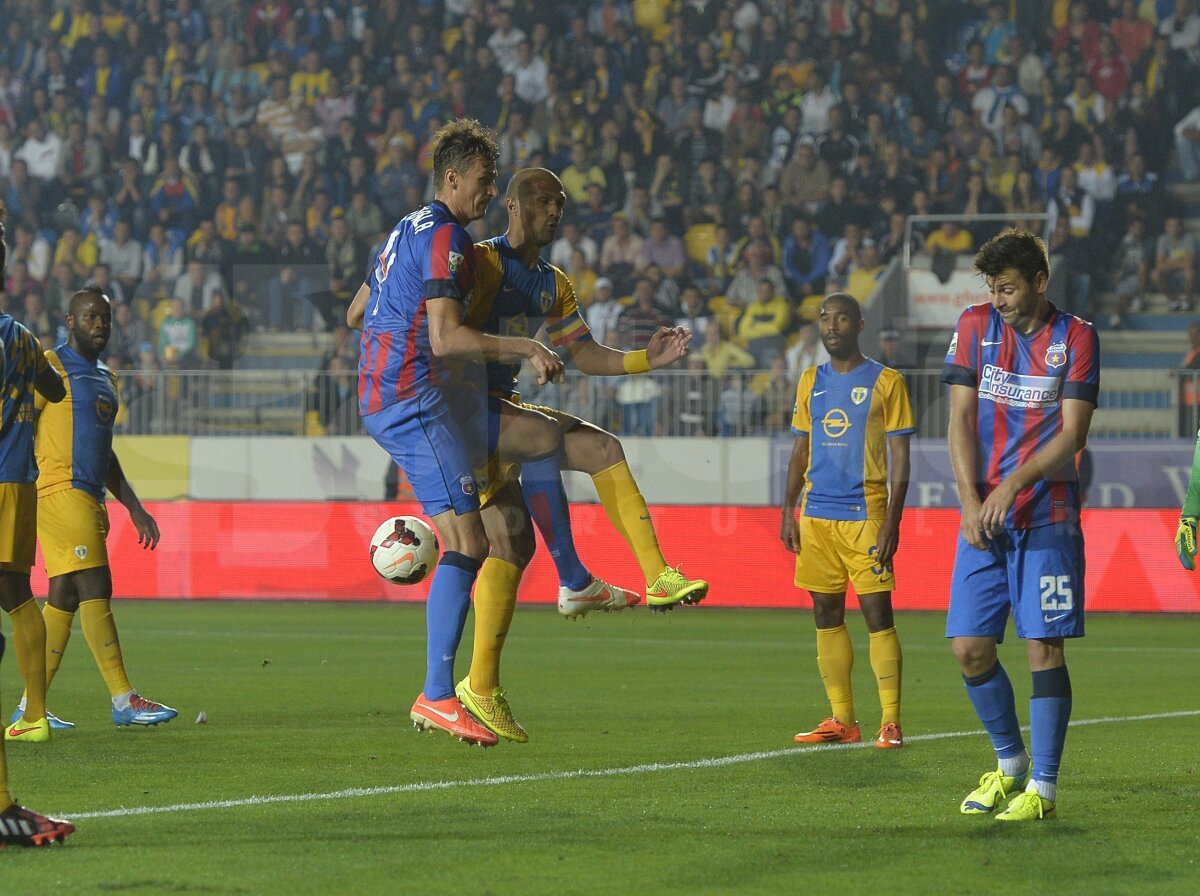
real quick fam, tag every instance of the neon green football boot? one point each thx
(493, 712)
(993, 789)
(1027, 806)
(673, 587)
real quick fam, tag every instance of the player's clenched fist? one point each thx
(546, 363)
(1185, 542)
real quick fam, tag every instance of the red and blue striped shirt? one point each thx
(1021, 381)
(428, 255)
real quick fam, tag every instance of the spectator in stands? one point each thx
(763, 323)
(221, 326)
(101, 278)
(76, 252)
(738, 408)
(129, 331)
(865, 272)
(754, 266)
(621, 253)
(1175, 264)
(196, 286)
(806, 255)
(664, 249)
(124, 257)
(805, 181)
(950, 237)
(572, 240)
(604, 311)
(177, 339)
(1131, 274)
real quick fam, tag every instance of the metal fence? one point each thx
(681, 403)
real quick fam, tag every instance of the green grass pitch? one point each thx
(660, 761)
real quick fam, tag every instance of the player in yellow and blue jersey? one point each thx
(25, 370)
(77, 463)
(851, 414)
(18, 826)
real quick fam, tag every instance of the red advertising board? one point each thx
(318, 551)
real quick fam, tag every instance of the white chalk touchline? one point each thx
(497, 780)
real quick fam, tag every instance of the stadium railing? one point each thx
(678, 403)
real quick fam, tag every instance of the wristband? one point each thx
(636, 362)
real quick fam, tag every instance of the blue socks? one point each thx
(992, 696)
(445, 618)
(1049, 714)
(541, 483)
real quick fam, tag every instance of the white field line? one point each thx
(578, 774)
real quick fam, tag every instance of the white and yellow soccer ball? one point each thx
(404, 550)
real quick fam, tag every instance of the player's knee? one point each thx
(468, 542)
(544, 438)
(608, 450)
(974, 657)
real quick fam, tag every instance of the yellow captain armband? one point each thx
(636, 362)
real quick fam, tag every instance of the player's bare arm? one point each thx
(1046, 464)
(964, 410)
(449, 337)
(899, 472)
(789, 533)
(665, 347)
(122, 489)
(357, 311)
(50, 385)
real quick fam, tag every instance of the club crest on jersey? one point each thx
(456, 261)
(104, 410)
(81, 551)
(858, 394)
(547, 300)
(1056, 354)
(467, 483)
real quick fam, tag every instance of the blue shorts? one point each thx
(425, 439)
(1036, 573)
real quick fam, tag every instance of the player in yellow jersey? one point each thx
(18, 826)
(516, 291)
(77, 462)
(849, 412)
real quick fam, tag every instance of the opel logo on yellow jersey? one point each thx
(835, 423)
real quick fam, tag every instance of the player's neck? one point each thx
(88, 356)
(463, 218)
(845, 365)
(527, 249)
(1028, 325)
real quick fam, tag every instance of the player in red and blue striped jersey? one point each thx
(411, 369)
(1024, 379)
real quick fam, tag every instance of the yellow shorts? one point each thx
(494, 473)
(18, 526)
(834, 552)
(72, 527)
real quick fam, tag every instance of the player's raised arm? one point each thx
(122, 489)
(665, 347)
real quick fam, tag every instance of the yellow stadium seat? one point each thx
(698, 239)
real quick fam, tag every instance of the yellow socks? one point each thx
(6, 798)
(58, 633)
(495, 600)
(100, 629)
(627, 511)
(29, 639)
(835, 659)
(887, 663)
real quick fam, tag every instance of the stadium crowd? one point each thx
(222, 165)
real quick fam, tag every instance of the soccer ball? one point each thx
(404, 549)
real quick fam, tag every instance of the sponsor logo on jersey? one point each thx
(858, 394)
(835, 423)
(1017, 389)
(1056, 354)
